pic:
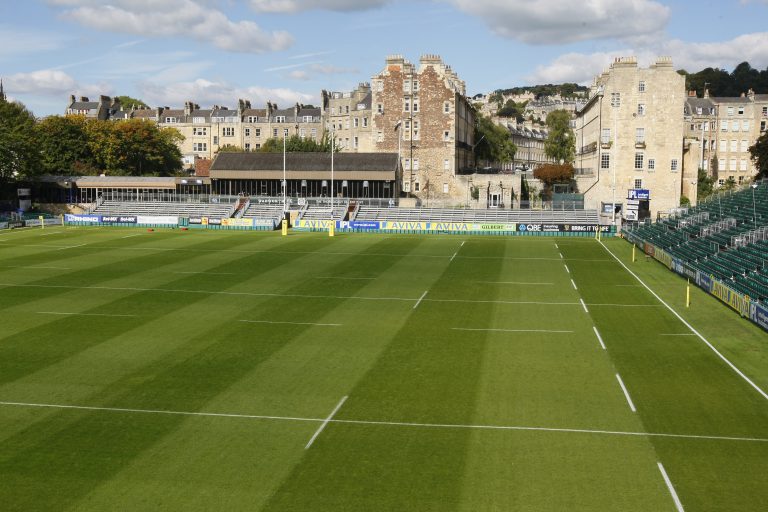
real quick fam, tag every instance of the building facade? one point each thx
(629, 140)
(348, 116)
(422, 113)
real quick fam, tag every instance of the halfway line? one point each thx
(76, 314)
(291, 323)
(391, 423)
(507, 330)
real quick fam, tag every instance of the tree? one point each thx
(127, 102)
(63, 146)
(759, 152)
(551, 174)
(493, 142)
(561, 141)
(19, 154)
(230, 148)
(704, 184)
(297, 144)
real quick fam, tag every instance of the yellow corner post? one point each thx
(688, 294)
(633, 252)
(285, 227)
(42, 222)
(332, 229)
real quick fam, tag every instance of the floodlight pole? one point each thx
(754, 209)
(285, 182)
(333, 149)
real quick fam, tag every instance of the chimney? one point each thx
(692, 94)
(706, 93)
(751, 95)
(187, 108)
(83, 98)
(158, 112)
(71, 99)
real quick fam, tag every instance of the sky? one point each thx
(166, 52)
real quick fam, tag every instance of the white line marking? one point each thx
(694, 331)
(300, 296)
(574, 285)
(31, 266)
(507, 330)
(682, 334)
(420, 299)
(291, 323)
(71, 247)
(626, 393)
(131, 236)
(391, 423)
(561, 255)
(671, 488)
(329, 418)
(454, 255)
(584, 306)
(566, 268)
(210, 273)
(341, 277)
(514, 282)
(599, 338)
(463, 242)
(556, 247)
(49, 234)
(76, 314)
(630, 285)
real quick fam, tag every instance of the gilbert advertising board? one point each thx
(495, 227)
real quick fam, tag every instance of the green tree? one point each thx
(552, 174)
(297, 144)
(127, 102)
(561, 141)
(230, 148)
(63, 147)
(19, 154)
(759, 153)
(493, 142)
(704, 184)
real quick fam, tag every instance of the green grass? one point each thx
(159, 330)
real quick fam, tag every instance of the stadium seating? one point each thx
(264, 211)
(725, 236)
(490, 215)
(318, 212)
(215, 210)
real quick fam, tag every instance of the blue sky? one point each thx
(216, 51)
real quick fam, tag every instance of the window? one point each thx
(723, 126)
(228, 131)
(605, 136)
(445, 188)
(447, 108)
(763, 126)
(721, 182)
(641, 109)
(721, 163)
(356, 122)
(416, 186)
(745, 126)
(274, 132)
(346, 109)
(253, 119)
(744, 145)
(705, 164)
(247, 146)
(734, 145)
(638, 161)
(741, 179)
(313, 133)
(741, 110)
(615, 99)
(198, 120)
(408, 163)
(199, 147)
(673, 165)
(651, 164)
(171, 120)
(199, 131)
(743, 165)
(735, 126)
(346, 123)
(365, 122)
(446, 135)
(730, 111)
(379, 108)
(407, 124)
(415, 106)
(303, 132)
(641, 86)
(406, 186)
(354, 142)
(732, 166)
(639, 135)
(765, 111)
(406, 86)
(406, 106)
(258, 132)
(723, 145)
(698, 110)
(215, 139)
(279, 119)
(415, 164)
(446, 165)
(415, 85)
(638, 183)
(605, 161)
(379, 136)
(247, 132)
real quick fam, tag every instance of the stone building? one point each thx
(103, 109)
(719, 132)
(348, 115)
(422, 113)
(629, 140)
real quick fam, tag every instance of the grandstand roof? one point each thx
(354, 166)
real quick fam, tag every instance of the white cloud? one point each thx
(177, 18)
(582, 67)
(51, 82)
(293, 6)
(558, 22)
(207, 93)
